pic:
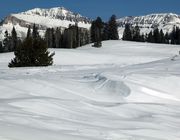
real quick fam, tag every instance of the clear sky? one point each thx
(94, 8)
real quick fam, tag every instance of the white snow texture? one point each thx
(122, 91)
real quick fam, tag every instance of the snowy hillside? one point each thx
(44, 18)
(122, 91)
(165, 21)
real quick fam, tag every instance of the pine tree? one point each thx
(162, 37)
(7, 42)
(53, 41)
(93, 30)
(106, 31)
(32, 52)
(173, 36)
(156, 36)
(127, 35)
(150, 37)
(35, 33)
(177, 35)
(136, 34)
(1, 47)
(167, 38)
(58, 38)
(29, 32)
(98, 32)
(48, 37)
(14, 40)
(113, 28)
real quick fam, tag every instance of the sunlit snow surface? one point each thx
(122, 91)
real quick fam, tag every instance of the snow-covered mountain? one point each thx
(164, 21)
(44, 18)
(61, 17)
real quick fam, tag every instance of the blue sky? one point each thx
(94, 8)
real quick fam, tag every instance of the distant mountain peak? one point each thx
(164, 21)
(54, 12)
(43, 18)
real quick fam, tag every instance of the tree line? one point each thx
(155, 36)
(33, 49)
(71, 37)
(101, 31)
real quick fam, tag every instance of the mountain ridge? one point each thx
(164, 21)
(43, 18)
(61, 17)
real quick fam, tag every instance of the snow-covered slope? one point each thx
(44, 18)
(165, 21)
(122, 91)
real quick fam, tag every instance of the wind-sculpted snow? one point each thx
(122, 91)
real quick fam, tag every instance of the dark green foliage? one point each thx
(106, 31)
(32, 52)
(167, 38)
(1, 47)
(58, 38)
(127, 35)
(71, 37)
(14, 40)
(29, 32)
(173, 36)
(150, 38)
(113, 28)
(93, 30)
(136, 34)
(156, 35)
(35, 33)
(162, 37)
(177, 35)
(98, 30)
(7, 42)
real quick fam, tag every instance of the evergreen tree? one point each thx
(177, 35)
(32, 52)
(53, 41)
(93, 30)
(173, 36)
(106, 31)
(29, 32)
(7, 42)
(127, 35)
(35, 33)
(113, 28)
(98, 32)
(136, 34)
(150, 38)
(167, 38)
(48, 37)
(162, 37)
(156, 36)
(14, 40)
(1, 47)
(58, 38)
